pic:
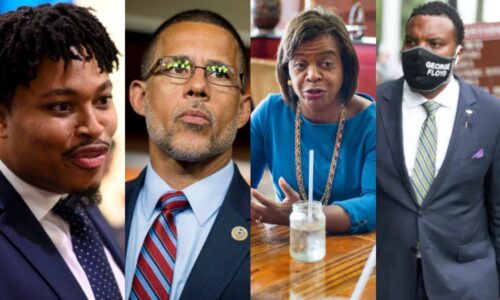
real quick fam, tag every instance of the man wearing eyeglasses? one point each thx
(187, 213)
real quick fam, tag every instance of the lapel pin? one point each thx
(239, 233)
(469, 113)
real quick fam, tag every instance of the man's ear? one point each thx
(137, 96)
(3, 121)
(245, 101)
(459, 52)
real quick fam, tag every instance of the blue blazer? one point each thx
(31, 267)
(458, 224)
(222, 270)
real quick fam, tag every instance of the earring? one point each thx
(289, 82)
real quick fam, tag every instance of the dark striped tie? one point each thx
(425, 166)
(155, 266)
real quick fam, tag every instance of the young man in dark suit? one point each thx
(438, 171)
(56, 123)
(188, 212)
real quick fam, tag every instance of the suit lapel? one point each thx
(132, 190)
(222, 256)
(391, 120)
(466, 100)
(21, 228)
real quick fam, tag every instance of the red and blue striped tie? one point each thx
(155, 266)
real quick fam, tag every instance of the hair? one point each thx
(437, 8)
(305, 27)
(201, 16)
(30, 34)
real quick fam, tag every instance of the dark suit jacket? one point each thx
(31, 267)
(222, 270)
(458, 225)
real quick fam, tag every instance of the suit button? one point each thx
(420, 213)
(416, 249)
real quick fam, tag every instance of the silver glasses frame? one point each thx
(161, 61)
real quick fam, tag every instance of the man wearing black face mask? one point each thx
(438, 171)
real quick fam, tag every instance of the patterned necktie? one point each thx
(155, 266)
(425, 168)
(89, 250)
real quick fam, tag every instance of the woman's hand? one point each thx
(269, 211)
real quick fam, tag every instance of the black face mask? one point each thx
(426, 71)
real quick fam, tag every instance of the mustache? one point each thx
(198, 105)
(77, 147)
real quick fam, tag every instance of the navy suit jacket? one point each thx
(222, 270)
(30, 265)
(458, 224)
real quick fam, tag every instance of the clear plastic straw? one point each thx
(365, 275)
(309, 203)
(307, 4)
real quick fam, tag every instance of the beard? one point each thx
(85, 198)
(165, 138)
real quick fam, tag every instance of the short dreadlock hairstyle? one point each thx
(30, 34)
(201, 16)
(438, 8)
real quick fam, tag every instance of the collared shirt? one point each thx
(414, 115)
(41, 202)
(193, 224)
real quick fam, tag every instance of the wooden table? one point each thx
(275, 275)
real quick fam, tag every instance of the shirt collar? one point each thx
(205, 196)
(39, 201)
(447, 98)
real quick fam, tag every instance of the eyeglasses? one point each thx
(182, 69)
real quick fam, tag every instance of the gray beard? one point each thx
(165, 139)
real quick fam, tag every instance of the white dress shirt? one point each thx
(41, 202)
(414, 115)
(193, 224)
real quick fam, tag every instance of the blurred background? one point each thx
(141, 21)
(112, 15)
(479, 63)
